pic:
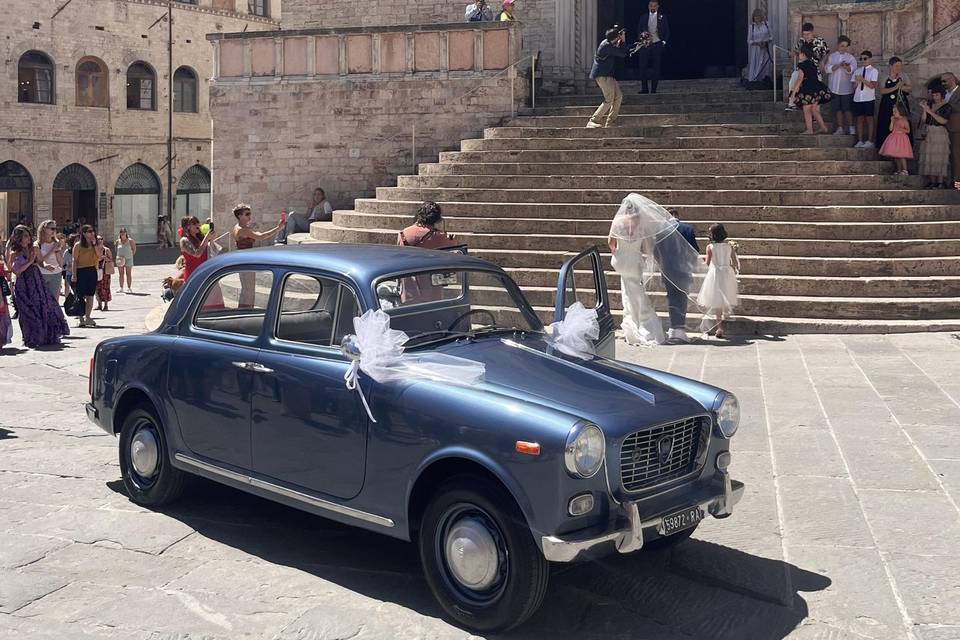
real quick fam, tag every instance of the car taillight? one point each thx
(90, 380)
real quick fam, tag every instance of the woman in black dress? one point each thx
(895, 88)
(808, 91)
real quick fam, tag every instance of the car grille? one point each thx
(640, 463)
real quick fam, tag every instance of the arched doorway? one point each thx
(16, 196)
(74, 196)
(193, 193)
(136, 202)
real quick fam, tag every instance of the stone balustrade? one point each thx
(436, 50)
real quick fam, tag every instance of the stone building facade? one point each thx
(85, 108)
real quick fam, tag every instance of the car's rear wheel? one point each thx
(479, 557)
(148, 476)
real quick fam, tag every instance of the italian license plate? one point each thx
(680, 520)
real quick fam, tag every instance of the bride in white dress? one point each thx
(644, 241)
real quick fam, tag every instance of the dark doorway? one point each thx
(16, 196)
(707, 37)
(74, 196)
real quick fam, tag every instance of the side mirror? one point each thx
(350, 348)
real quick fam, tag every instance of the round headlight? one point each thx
(728, 415)
(583, 453)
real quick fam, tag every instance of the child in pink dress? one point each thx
(897, 145)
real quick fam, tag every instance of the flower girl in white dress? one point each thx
(718, 294)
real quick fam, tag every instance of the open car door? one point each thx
(582, 280)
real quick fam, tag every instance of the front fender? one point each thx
(496, 468)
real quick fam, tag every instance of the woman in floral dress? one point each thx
(41, 319)
(103, 285)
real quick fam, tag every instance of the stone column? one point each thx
(586, 20)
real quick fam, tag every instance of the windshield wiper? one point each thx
(495, 330)
(435, 336)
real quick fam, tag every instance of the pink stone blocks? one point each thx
(426, 51)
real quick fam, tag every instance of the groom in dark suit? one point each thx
(657, 26)
(675, 262)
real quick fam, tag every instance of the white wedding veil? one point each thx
(669, 260)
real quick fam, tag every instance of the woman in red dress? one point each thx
(193, 245)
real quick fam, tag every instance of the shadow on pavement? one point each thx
(696, 590)
(6, 434)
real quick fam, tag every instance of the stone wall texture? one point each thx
(45, 138)
(274, 143)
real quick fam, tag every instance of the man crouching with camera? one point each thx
(610, 49)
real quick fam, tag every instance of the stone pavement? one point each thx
(849, 528)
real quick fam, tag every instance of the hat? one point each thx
(508, 2)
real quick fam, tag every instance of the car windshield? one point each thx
(435, 305)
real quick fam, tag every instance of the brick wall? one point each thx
(46, 138)
(276, 137)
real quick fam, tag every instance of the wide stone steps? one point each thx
(829, 239)
(808, 169)
(799, 230)
(748, 246)
(670, 197)
(532, 128)
(850, 308)
(654, 182)
(764, 284)
(733, 155)
(547, 139)
(706, 212)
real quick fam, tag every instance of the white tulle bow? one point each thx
(383, 359)
(574, 335)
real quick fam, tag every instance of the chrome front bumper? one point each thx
(630, 538)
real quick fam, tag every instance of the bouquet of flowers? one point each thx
(645, 40)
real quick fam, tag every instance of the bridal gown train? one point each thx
(641, 324)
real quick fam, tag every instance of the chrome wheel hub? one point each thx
(472, 554)
(144, 453)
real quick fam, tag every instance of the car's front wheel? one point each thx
(479, 557)
(148, 476)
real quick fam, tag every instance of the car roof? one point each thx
(361, 262)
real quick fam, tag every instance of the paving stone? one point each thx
(936, 441)
(886, 462)
(937, 632)
(822, 512)
(808, 452)
(928, 584)
(104, 564)
(859, 599)
(912, 521)
(19, 589)
(18, 549)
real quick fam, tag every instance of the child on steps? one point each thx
(897, 145)
(718, 294)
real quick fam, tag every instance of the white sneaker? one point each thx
(869, 145)
(859, 145)
(679, 334)
(838, 132)
(851, 131)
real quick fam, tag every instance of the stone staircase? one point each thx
(830, 240)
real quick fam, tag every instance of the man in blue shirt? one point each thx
(675, 261)
(607, 53)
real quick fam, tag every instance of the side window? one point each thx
(580, 284)
(314, 310)
(236, 303)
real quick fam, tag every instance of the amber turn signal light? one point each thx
(528, 448)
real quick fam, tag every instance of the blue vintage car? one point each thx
(549, 458)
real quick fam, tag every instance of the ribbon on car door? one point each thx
(381, 356)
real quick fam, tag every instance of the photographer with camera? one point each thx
(479, 11)
(610, 49)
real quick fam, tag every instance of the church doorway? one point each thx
(707, 37)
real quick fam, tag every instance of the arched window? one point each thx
(258, 7)
(141, 87)
(35, 78)
(93, 86)
(185, 90)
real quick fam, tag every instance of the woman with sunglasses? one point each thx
(244, 238)
(41, 318)
(83, 272)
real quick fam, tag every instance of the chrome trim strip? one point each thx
(289, 493)
(640, 393)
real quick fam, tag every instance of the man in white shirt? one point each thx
(654, 23)
(839, 68)
(864, 97)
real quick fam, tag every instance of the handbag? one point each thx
(108, 268)
(121, 261)
(74, 305)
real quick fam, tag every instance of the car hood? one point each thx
(597, 389)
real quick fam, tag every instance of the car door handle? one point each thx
(253, 366)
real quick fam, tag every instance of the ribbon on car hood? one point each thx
(381, 356)
(574, 335)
